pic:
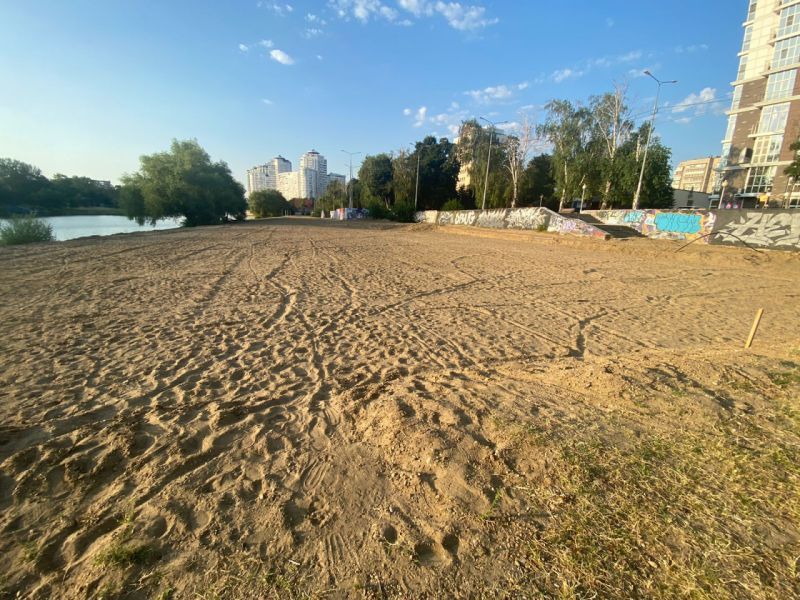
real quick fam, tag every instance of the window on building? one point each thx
(787, 52)
(759, 180)
(780, 85)
(751, 11)
(742, 67)
(737, 97)
(773, 118)
(767, 149)
(726, 153)
(790, 21)
(748, 36)
(731, 127)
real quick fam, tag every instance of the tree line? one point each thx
(24, 189)
(590, 150)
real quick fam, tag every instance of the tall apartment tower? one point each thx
(315, 173)
(764, 119)
(278, 165)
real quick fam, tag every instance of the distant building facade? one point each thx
(265, 177)
(764, 118)
(696, 175)
(337, 177)
(467, 136)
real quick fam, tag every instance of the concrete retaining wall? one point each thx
(662, 224)
(779, 229)
(528, 218)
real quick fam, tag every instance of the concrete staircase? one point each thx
(615, 231)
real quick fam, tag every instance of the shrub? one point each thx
(378, 210)
(268, 203)
(25, 230)
(404, 212)
(453, 204)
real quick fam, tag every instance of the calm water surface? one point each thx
(69, 228)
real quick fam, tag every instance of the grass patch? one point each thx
(123, 555)
(25, 230)
(706, 516)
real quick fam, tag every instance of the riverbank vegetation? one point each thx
(24, 189)
(182, 182)
(25, 230)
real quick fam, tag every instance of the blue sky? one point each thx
(90, 85)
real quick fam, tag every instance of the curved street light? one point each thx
(489, 157)
(649, 136)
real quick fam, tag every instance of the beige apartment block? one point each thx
(696, 175)
(764, 118)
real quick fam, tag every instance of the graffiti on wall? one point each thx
(526, 218)
(758, 228)
(563, 225)
(663, 224)
(466, 217)
(426, 216)
(348, 214)
(492, 218)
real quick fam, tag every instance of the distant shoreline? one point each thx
(87, 211)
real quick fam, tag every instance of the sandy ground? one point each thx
(329, 409)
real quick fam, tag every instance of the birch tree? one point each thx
(612, 127)
(518, 148)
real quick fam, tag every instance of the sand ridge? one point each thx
(334, 406)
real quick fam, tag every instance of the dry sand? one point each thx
(292, 408)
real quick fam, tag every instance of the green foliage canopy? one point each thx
(183, 182)
(268, 203)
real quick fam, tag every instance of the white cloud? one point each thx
(683, 120)
(279, 9)
(311, 32)
(266, 43)
(419, 118)
(312, 18)
(281, 57)
(464, 18)
(691, 49)
(490, 94)
(523, 86)
(407, 112)
(244, 47)
(699, 103)
(459, 16)
(564, 74)
(319, 56)
(267, 101)
(609, 22)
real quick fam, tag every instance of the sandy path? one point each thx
(321, 397)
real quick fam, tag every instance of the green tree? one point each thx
(568, 128)
(438, 172)
(656, 185)
(20, 183)
(268, 203)
(375, 175)
(537, 185)
(472, 154)
(183, 182)
(793, 170)
(335, 196)
(612, 127)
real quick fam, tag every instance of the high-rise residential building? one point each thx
(317, 178)
(290, 184)
(279, 165)
(696, 175)
(264, 177)
(336, 177)
(257, 178)
(764, 118)
(468, 136)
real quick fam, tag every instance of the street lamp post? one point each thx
(416, 189)
(649, 137)
(489, 158)
(583, 195)
(351, 154)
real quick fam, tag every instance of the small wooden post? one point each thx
(754, 328)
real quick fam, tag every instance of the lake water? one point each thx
(69, 228)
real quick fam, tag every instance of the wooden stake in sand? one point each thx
(753, 329)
